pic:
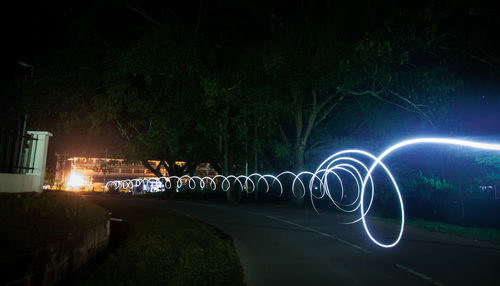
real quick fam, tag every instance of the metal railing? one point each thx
(17, 152)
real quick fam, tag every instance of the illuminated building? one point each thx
(89, 174)
(83, 173)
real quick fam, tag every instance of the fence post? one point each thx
(40, 157)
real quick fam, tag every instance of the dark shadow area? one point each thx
(119, 231)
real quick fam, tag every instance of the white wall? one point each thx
(18, 183)
(33, 181)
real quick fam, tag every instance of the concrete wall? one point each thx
(19, 183)
(49, 265)
(33, 181)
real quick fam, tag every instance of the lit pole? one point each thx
(105, 169)
(23, 138)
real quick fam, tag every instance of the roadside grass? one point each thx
(483, 234)
(31, 221)
(164, 248)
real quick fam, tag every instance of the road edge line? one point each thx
(320, 233)
(420, 275)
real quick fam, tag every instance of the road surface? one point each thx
(283, 245)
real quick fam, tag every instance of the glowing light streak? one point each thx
(352, 162)
(378, 161)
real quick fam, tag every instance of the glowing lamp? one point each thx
(75, 180)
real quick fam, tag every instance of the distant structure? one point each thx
(90, 174)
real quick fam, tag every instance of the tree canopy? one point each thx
(272, 83)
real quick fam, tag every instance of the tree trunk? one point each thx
(304, 129)
(255, 150)
(171, 168)
(299, 157)
(148, 166)
(226, 156)
(304, 126)
(299, 166)
(225, 159)
(256, 161)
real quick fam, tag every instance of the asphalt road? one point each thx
(282, 245)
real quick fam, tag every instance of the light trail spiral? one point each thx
(358, 165)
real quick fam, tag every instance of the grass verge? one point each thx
(165, 248)
(483, 234)
(31, 221)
